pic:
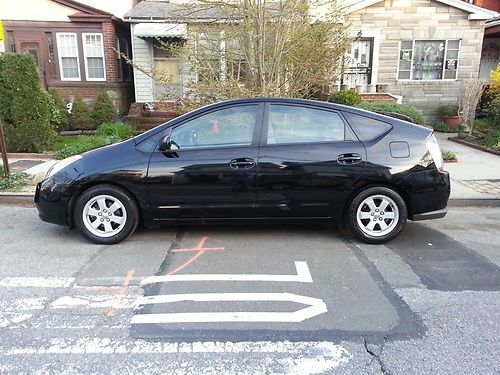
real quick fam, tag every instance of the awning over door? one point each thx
(160, 30)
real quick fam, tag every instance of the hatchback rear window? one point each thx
(366, 128)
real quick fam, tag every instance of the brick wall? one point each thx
(397, 20)
(110, 55)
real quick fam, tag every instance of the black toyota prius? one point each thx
(254, 160)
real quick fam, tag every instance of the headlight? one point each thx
(62, 164)
(435, 151)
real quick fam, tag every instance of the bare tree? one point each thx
(241, 48)
(470, 94)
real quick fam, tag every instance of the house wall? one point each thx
(141, 51)
(397, 20)
(34, 10)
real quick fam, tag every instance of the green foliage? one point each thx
(493, 112)
(393, 108)
(483, 125)
(103, 111)
(105, 135)
(85, 143)
(117, 130)
(448, 110)
(28, 112)
(345, 97)
(492, 139)
(15, 181)
(441, 127)
(448, 155)
(80, 114)
(62, 118)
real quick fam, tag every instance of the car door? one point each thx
(309, 162)
(210, 170)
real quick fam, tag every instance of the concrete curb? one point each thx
(10, 198)
(29, 156)
(22, 198)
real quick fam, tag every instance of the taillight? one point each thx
(435, 151)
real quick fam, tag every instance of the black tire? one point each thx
(128, 211)
(394, 228)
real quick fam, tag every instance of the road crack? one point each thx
(375, 350)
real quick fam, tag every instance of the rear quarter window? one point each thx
(366, 128)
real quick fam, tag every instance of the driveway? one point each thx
(251, 299)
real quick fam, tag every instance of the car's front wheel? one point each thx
(377, 215)
(106, 214)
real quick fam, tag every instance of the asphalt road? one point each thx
(251, 300)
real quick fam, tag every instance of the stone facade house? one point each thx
(417, 51)
(74, 44)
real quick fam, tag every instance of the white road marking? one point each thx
(316, 307)
(37, 282)
(303, 276)
(93, 301)
(6, 321)
(22, 304)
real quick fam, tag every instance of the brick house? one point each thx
(74, 44)
(417, 51)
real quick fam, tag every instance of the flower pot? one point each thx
(452, 121)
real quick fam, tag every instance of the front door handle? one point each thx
(242, 163)
(349, 159)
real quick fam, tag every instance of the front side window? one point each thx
(94, 56)
(428, 59)
(290, 124)
(225, 127)
(67, 49)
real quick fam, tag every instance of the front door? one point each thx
(308, 164)
(210, 170)
(359, 62)
(33, 48)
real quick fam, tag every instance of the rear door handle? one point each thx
(242, 163)
(349, 159)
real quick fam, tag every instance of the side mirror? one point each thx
(166, 144)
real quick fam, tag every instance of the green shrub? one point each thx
(441, 127)
(85, 143)
(493, 112)
(103, 111)
(492, 139)
(118, 130)
(25, 109)
(345, 97)
(448, 110)
(62, 118)
(483, 125)
(448, 155)
(15, 181)
(80, 114)
(393, 108)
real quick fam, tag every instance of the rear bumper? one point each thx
(427, 194)
(429, 215)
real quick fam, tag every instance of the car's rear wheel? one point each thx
(106, 214)
(377, 215)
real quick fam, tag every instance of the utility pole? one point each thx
(3, 151)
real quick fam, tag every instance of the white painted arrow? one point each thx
(303, 276)
(316, 307)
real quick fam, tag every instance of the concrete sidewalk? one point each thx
(476, 175)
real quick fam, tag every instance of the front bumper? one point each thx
(52, 208)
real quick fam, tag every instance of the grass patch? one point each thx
(14, 182)
(448, 155)
(106, 134)
(65, 141)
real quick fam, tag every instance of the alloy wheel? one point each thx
(104, 216)
(377, 215)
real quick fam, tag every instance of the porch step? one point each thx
(378, 97)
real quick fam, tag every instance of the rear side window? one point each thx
(290, 124)
(366, 128)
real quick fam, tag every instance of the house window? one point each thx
(67, 49)
(93, 51)
(428, 60)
